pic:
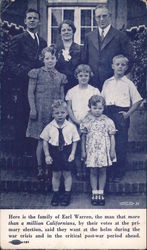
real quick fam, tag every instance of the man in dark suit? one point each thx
(23, 55)
(102, 44)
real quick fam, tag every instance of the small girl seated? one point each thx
(59, 143)
(98, 146)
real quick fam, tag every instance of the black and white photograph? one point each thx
(73, 113)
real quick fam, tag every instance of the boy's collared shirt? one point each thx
(120, 92)
(51, 134)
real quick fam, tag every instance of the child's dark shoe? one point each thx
(94, 199)
(65, 201)
(101, 200)
(55, 199)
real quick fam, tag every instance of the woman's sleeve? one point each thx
(64, 80)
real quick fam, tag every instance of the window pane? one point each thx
(55, 35)
(84, 31)
(94, 22)
(85, 17)
(69, 14)
(56, 17)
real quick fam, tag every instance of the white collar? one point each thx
(54, 123)
(32, 34)
(123, 78)
(105, 30)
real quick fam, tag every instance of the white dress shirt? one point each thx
(33, 35)
(51, 134)
(120, 92)
(104, 31)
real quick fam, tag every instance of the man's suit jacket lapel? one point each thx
(28, 39)
(108, 37)
(94, 39)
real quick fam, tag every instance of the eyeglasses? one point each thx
(102, 16)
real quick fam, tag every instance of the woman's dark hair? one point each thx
(70, 23)
(96, 99)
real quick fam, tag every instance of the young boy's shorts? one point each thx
(60, 158)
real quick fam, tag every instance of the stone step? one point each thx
(26, 181)
(136, 161)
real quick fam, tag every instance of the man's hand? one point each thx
(33, 114)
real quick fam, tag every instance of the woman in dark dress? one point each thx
(68, 52)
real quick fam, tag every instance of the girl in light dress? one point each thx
(98, 146)
(77, 100)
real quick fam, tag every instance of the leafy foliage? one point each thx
(139, 70)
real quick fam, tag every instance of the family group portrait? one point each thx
(73, 104)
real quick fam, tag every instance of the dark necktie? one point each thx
(61, 139)
(102, 35)
(35, 40)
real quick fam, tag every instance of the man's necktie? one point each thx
(102, 35)
(35, 39)
(61, 139)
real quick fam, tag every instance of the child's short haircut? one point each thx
(51, 49)
(58, 104)
(120, 57)
(83, 68)
(96, 99)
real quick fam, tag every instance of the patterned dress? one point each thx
(98, 131)
(47, 88)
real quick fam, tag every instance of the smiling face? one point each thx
(97, 109)
(119, 66)
(60, 114)
(32, 21)
(66, 32)
(83, 78)
(49, 60)
(102, 17)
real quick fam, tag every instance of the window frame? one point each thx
(77, 20)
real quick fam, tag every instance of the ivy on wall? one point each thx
(138, 38)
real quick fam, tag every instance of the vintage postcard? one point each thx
(73, 124)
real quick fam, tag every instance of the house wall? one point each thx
(137, 13)
(125, 13)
